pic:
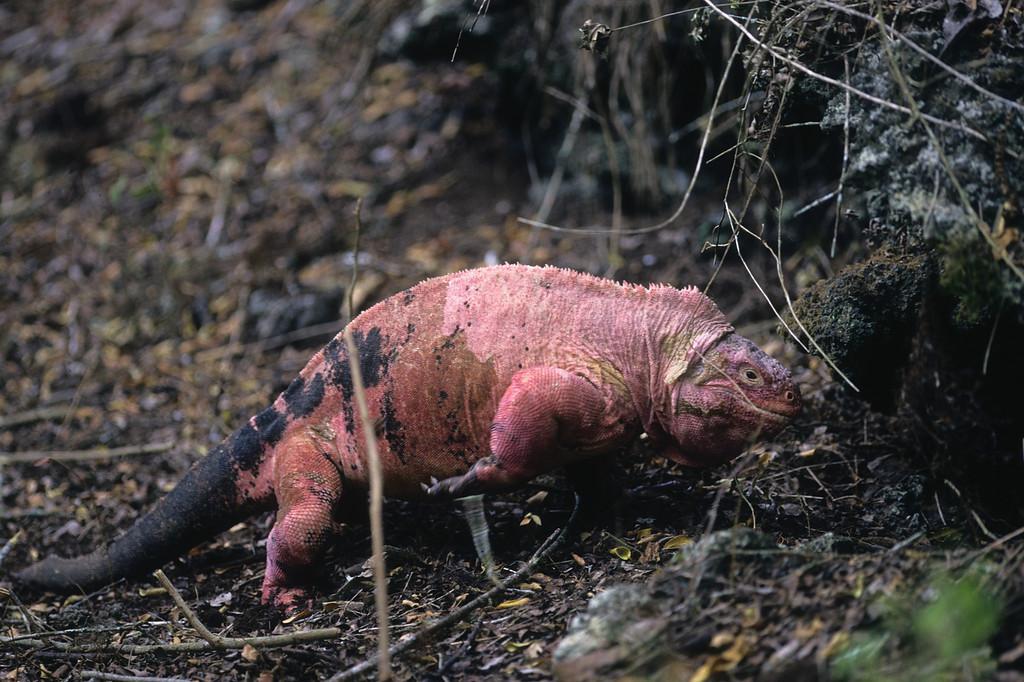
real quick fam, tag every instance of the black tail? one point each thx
(205, 502)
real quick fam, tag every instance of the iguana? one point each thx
(477, 382)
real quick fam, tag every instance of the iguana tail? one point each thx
(209, 499)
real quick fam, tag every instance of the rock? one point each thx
(633, 632)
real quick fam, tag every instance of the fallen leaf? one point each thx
(250, 653)
(296, 616)
(622, 552)
(530, 518)
(677, 541)
(537, 498)
(513, 603)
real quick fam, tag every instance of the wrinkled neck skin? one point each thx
(677, 328)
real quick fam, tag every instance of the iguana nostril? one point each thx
(790, 396)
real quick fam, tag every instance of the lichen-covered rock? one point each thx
(638, 632)
(865, 319)
(959, 190)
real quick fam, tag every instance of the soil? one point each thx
(176, 231)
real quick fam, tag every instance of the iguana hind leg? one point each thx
(308, 489)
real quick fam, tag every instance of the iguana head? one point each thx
(729, 396)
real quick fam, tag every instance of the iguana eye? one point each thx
(750, 376)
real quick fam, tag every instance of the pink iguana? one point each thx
(482, 379)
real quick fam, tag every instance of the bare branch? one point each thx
(84, 455)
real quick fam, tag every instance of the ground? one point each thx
(176, 230)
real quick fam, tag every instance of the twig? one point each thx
(84, 455)
(817, 202)
(215, 641)
(312, 331)
(43, 640)
(846, 160)
(380, 578)
(484, 5)
(991, 339)
(554, 540)
(97, 675)
(466, 645)
(906, 542)
(9, 545)
(350, 311)
(35, 415)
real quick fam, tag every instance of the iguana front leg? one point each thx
(544, 416)
(308, 489)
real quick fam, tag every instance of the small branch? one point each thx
(215, 641)
(380, 578)
(846, 161)
(9, 545)
(554, 540)
(84, 455)
(97, 675)
(35, 415)
(466, 646)
(350, 297)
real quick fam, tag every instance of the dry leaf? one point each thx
(250, 653)
(530, 518)
(296, 616)
(537, 498)
(622, 552)
(513, 603)
(677, 541)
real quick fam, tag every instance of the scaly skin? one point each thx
(482, 379)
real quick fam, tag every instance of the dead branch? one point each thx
(35, 415)
(380, 579)
(9, 545)
(84, 455)
(97, 675)
(190, 616)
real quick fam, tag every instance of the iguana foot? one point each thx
(290, 600)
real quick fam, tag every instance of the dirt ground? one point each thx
(176, 202)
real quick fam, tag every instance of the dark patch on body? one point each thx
(393, 430)
(270, 424)
(449, 341)
(456, 439)
(245, 448)
(408, 297)
(303, 398)
(373, 365)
